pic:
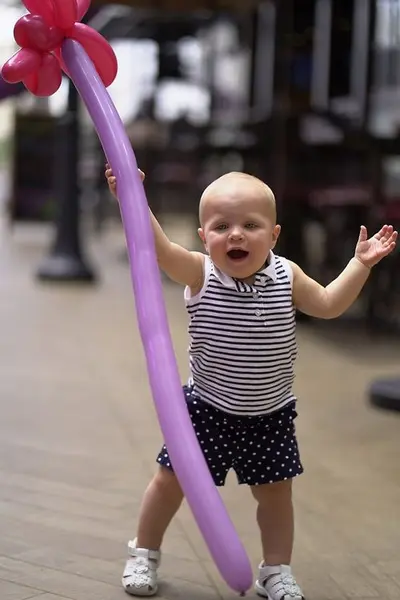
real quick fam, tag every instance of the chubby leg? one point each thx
(276, 521)
(161, 502)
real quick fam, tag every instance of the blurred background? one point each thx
(306, 96)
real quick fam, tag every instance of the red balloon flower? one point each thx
(40, 35)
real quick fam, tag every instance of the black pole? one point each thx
(65, 262)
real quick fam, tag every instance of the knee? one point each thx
(166, 482)
(273, 492)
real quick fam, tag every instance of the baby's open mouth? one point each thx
(237, 254)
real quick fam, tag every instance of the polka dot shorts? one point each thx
(259, 449)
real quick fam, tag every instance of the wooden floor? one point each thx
(78, 439)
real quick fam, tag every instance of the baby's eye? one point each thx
(250, 225)
(221, 227)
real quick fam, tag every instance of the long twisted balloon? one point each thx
(52, 25)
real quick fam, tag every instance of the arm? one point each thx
(181, 265)
(332, 301)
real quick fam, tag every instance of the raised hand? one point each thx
(371, 251)
(112, 180)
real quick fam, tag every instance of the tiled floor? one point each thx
(78, 437)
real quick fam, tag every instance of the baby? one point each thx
(241, 299)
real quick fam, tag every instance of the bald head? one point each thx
(239, 186)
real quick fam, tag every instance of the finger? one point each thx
(393, 238)
(381, 233)
(388, 233)
(363, 234)
(108, 173)
(386, 250)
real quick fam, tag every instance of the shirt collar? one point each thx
(269, 270)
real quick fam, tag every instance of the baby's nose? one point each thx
(236, 233)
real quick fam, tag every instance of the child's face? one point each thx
(238, 228)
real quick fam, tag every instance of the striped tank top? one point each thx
(243, 340)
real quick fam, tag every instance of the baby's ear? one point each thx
(202, 237)
(275, 235)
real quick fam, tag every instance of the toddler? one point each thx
(241, 298)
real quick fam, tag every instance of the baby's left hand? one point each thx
(371, 251)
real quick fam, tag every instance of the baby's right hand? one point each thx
(112, 180)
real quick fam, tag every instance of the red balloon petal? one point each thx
(48, 78)
(21, 31)
(83, 7)
(32, 31)
(99, 50)
(30, 82)
(19, 66)
(44, 8)
(65, 13)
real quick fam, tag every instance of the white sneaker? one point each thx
(277, 583)
(140, 574)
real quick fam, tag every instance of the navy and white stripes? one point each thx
(243, 340)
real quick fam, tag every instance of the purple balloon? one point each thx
(186, 456)
(7, 90)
